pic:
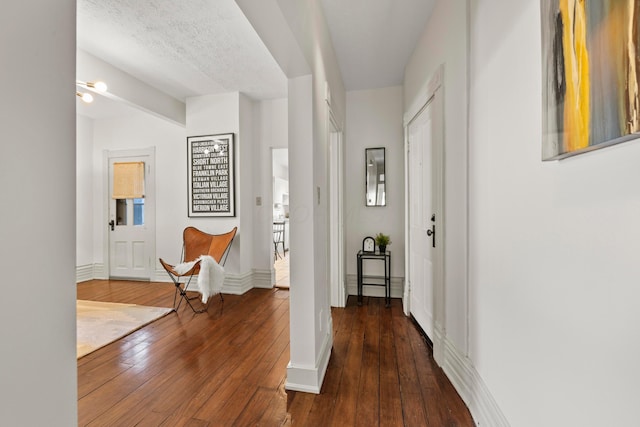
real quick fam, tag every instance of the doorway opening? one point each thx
(280, 198)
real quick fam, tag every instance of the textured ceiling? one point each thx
(184, 48)
(196, 47)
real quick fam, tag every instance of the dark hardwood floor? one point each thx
(227, 367)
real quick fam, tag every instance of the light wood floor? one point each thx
(281, 266)
(227, 367)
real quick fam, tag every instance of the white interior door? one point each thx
(131, 225)
(425, 195)
(420, 194)
(338, 287)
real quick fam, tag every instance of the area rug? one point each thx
(101, 323)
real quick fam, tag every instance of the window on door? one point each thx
(138, 211)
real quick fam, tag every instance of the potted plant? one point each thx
(382, 240)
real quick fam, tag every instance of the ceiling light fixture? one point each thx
(97, 86)
(86, 97)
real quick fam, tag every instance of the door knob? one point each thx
(112, 224)
(432, 233)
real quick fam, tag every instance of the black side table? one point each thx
(384, 257)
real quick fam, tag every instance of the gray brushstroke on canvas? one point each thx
(604, 110)
(552, 111)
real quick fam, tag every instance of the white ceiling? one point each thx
(374, 39)
(194, 47)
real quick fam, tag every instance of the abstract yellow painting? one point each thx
(590, 75)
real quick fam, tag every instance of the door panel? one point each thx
(131, 232)
(138, 259)
(421, 192)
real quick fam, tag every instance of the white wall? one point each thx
(554, 247)
(84, 191)
(38, 373)
(311, 156)
(297, 35)
(213, 114)
(281, 163)
(134, 131)
(229, 113)
(300, 28)
(374, 119)
(271, 125)
(245, 199)
(536, 299)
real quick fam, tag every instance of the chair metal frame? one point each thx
(278, 237)
(195, 243)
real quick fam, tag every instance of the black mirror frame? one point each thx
(368, 163)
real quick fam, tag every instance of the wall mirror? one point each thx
(375, 194)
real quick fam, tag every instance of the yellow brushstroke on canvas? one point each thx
(633, 118)
(576, 62)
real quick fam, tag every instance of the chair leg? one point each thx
(182, 291)
(184, 296)
(276, 253)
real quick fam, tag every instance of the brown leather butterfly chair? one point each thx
(195, 244)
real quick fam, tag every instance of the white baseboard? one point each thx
(99, 272)
(89, 272)
(471, 387)
(235, 284)
(84, 273)
(262, 279)
(238, 284)
(309, 379)
(397, 287)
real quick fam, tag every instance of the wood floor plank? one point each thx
(413, 410)
(368, 409)
(347, 398)
(299, 406)
(227, 367)
(276, 412)
(390, 393)
(227, 363)
(428, 372)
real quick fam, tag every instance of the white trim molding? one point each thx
(84, 273)
(424, 95)
(99, 272)
(309, 379)
(471, 387)
(262, 279)
(238, 284)
(235, 284)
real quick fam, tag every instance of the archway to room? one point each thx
(280, 216)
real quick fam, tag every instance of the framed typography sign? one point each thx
(210, 163)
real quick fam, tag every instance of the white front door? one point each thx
(131, 224)
(425, 148)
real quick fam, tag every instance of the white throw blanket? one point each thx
(210, 278)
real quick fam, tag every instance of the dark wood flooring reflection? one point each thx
(227, 367)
